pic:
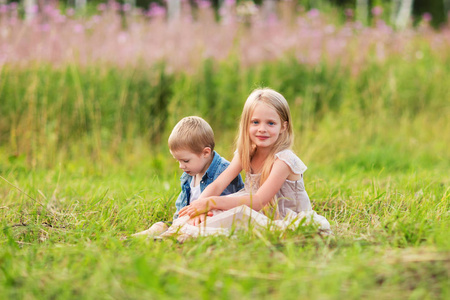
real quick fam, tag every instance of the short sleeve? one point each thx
(292, 160)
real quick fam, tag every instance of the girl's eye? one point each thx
(185, 161)
(271, 123)
(255, 122)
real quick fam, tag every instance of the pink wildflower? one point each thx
(3, 9)
(70, 12)
(115, 5)
(230, 2)
(13, 6)
(126, 7)
(33, 9)
(313, 13)
(45, 27)
(203, 3)
(377, 11)
(155, 10)
(101, 7)
(349, 13)
(427, 17)
(78, 28)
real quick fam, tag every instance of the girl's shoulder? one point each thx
(292, 160)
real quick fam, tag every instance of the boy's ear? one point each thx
(206, 151)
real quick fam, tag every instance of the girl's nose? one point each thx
(181, 166)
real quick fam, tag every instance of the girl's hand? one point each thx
(199, 206)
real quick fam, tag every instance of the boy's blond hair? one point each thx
(193, 134)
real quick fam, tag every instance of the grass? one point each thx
(85, 164)
(62, 234)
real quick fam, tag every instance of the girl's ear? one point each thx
(284, 126)
(206, 151)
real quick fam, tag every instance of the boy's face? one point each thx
(191, 162)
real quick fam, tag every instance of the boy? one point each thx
(191, 143)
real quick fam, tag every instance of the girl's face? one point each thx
(265, 126)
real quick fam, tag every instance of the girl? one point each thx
(274, 192)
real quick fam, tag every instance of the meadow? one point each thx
(86, 106)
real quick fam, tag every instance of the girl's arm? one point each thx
(279, 173)
(221, 182)
(224, 179)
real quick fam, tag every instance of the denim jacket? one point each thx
(217, 166)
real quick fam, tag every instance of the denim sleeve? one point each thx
(235, 186)
(179, 204)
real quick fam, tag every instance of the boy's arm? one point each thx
(224, 179)
(178, 205)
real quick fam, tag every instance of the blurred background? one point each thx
(104, 82)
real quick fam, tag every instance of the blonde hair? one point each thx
(246, 148)
(191, 133)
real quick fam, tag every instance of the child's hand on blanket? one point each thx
(197, 220)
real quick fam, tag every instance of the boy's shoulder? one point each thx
(218, 164)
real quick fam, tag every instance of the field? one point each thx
(84, 159)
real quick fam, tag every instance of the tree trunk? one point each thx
(173, 9)
(394, 10)
(362, 10)
(447, 9)
(30, 9)
(404, 14)
(269, 9)
(80, 5)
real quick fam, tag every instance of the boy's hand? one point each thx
(197, 220)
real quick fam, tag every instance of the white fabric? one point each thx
(292, 160)
(195, 191)
(291, 207)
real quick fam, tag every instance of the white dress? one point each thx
(291, 207)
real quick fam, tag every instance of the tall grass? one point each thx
(46, 110)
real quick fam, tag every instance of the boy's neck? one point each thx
(197, 178)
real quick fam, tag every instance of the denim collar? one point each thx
(211, 170)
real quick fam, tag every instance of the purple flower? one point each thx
(44, 27)
(230, 2)
(96, 18)
(13, 6)
(115, 5)
(377, 11)
(126, 7)
(70, 11)
(33, 9)
(427, 17)
(78, 28)
(3, 9)
(313, 13)
(203, 3)
(349, 13)
(101, 7)
(60, 18)
(155, 10)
